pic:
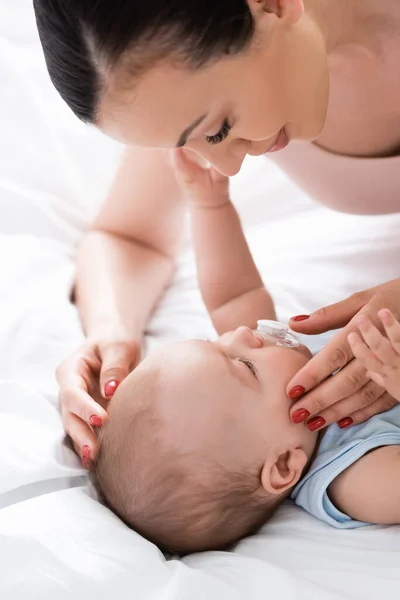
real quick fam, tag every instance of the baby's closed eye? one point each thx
(249, 365)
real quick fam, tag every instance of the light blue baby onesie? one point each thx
(338, 450)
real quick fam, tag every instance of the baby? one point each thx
(200, 449)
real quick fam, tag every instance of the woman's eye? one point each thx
(221, 135)
(249, 365)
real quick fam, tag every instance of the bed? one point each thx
(56, 539)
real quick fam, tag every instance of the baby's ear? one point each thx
(282, 474)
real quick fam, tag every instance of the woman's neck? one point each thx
(335, 20)
(350, 24)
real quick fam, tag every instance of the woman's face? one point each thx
(234, 107)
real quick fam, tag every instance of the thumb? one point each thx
(329, 317)
(118, 360)
(187, 171)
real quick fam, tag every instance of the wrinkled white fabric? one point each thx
(56, 540)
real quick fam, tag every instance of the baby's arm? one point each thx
(369, 490)
(230, 283)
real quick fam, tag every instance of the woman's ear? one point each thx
(279, 476)
(289, 11)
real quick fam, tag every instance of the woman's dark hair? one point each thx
(84, 39)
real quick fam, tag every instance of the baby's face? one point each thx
(225, 397)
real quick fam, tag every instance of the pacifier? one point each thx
(278, 333)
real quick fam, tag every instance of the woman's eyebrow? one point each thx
(184, 136)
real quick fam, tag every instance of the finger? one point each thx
(200, 182)
(384, 403)
(380, 345)
(363, 354)
(376, 377)
(83, 362)
(342, 385)
(69, 373)
(330, 317)
(118, 360)
(187, 171)
(392, 328)
(335, 355)
(83, 437)
(363, 398)
(218, 177)
(75, 401)
(85, 454)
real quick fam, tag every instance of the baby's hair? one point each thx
(181, 502)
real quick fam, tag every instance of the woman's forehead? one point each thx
(165, 102)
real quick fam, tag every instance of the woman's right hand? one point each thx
(88, 379)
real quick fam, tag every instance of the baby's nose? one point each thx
(242, 331)
(246, 337)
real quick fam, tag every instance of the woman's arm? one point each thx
(230, 283)
(127, 258)
(124, 263)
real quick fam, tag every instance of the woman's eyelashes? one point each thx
(221, 135)
(249, 365)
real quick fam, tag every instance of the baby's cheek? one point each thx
(285, 362)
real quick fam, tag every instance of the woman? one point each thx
(224, 79)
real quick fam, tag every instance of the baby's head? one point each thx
(199, 448)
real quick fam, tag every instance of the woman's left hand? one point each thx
(350, 397)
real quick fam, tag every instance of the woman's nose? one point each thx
(227, 168)
(227, 160)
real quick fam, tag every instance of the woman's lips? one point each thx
(281, 142)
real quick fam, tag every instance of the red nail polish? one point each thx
(86, 451)
(110, 388)
(96, 421)
(296, 392)
(315, 423)
(85, 462)
(343, 423)
(300, 415)
(299, 318)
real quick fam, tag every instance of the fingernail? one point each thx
(296, 392)
(110, 388)
(315, 423)
(343, 423)
(96, 421)
(300, 415)
(384, 313)
(86, 451)
(299, 318)
(85, 462)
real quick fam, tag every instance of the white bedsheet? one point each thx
(56, 540)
